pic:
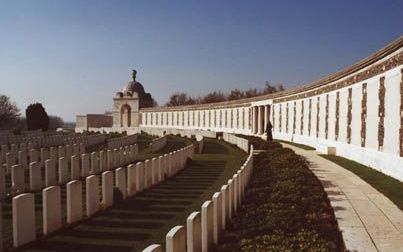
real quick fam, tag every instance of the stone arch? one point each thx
(125, 115)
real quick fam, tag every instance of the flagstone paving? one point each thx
(369, 221)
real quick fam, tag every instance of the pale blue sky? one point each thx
(74, 55)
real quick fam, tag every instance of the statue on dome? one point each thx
(134, 75)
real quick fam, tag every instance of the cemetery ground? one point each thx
(174, 143)
(139, 221)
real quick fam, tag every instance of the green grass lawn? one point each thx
(145, 219)
(390, 187)
(302, 146)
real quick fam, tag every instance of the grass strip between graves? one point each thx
(285, 207)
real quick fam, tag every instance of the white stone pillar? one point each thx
(176, 239)
(24, 230)
(260, 120)
(107, 188)
(52, 209)
(207, 225)
(193, 230)
(92, 195)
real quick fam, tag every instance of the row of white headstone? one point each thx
(79, 165)
(118, 142)
(52, 140)
(204, 228)
(241, 142)
(24, 156)
(158, 143)
(128, 180)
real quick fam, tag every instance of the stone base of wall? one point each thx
(386, 163)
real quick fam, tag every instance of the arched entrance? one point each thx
(125, 115)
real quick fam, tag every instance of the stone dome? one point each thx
(133, 86)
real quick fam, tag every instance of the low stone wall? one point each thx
(130, 179)
(160, 131)
(159, 143)
(205, 227)
(241, 142)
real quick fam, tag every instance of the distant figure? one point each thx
(269, 134)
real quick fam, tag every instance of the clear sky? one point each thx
(73, 56)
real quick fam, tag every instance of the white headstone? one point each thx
(52, 211)
(74, 201)
(107, 188)
(24, 230)
(120, 175)
(176, 239)
(92, 195)
(194, 233)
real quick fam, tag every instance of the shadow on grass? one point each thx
(135, 223)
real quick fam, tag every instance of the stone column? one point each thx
(147, 174)
(260, 120)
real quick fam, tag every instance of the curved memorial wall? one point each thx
(356, 113)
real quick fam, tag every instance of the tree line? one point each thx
(182, 98)
(36, 117)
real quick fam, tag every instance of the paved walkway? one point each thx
(368, 220)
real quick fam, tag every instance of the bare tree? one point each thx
(179, 99)
(9, 112)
